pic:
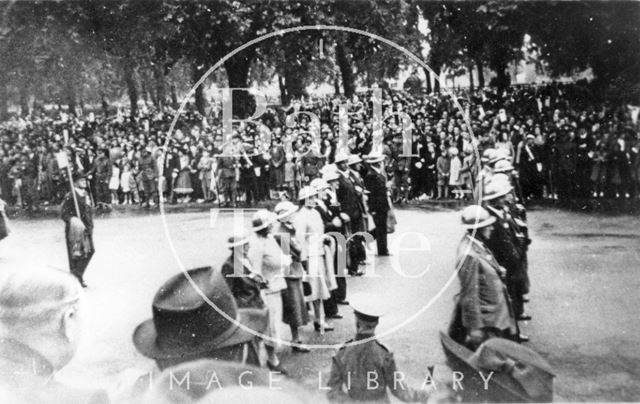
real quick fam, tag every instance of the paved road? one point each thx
(584, 299)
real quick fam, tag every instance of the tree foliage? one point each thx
(98, 51)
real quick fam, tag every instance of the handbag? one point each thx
(306, 288)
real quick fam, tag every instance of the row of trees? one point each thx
(97, 51)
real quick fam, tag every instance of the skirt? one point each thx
(183, 183)
(317, 278)
(294, 312)
(114, 183)
(273, 301)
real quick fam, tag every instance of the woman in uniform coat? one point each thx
(295, 313)
(310, 233)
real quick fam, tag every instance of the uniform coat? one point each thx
(350, 202)
(78, 264)
(508, 245)
(295, 311)
(482, 303)
(349, 372)
(246, 287)
(310, 233)
(379, 207)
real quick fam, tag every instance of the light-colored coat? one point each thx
(269, 261)
(310, 233)
(483, 296)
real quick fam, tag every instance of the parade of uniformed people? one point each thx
(319, 201)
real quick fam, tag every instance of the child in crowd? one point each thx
(442, 168)
(114, 182)
(125, 181)
(454, 173)
(289, 176)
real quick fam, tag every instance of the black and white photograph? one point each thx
(319, 201)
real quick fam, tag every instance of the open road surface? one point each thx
(584, 270)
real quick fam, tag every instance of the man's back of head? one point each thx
(39, 308)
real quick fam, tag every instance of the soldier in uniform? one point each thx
(508, 242)
(351, 205)
(310, 162)
(357, 249)
(378, 201)
(149, 175)
(229, 170)
(78, 236)
(102, 168)
(482, 310)
(363, 369)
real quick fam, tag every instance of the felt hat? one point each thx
(184, 323)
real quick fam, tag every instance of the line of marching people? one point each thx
(298, 256)
(492, 259)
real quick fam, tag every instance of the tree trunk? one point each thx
(174, 97)
(238, 74)
(470, 69)
(131, 87)
(502, 78)
(427, 74)
(480, 73)
(105, 104)
(436, 82)
(345, 70)
(145, 92)
(294, 82)
(196, 74)
(161, 90)
(24, 99)
(4, 101)
(71, 95)
(284, 97)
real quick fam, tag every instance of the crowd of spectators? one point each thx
(565, 142)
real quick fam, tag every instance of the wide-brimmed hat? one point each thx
(519, 373)
(354, 159)
(374, 158)
(476, 217)
(502, 166)
(319, 184)
(532, 372)
(328, 168)
(239, 238)
(487, 155)
(340, 157)
(307, 192)
(184, 323)
(285, 208)
(262, 219)
(496, 188)
(330, 175)
(499, 155)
